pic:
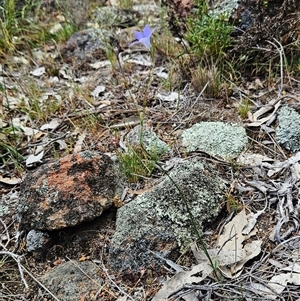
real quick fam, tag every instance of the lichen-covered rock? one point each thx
(37, 241)
(73, 281)
(114, 16)
(288, 130)
(75, 10)
(159, 221)
(67, 192)
(150, 141)
(86, 47)
(216, 139)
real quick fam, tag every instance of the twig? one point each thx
(110, 279)
(17, 258)
(40, 284)
(21, 268)
(281, 52)
(7, 234)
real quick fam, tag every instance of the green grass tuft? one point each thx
(137, 163)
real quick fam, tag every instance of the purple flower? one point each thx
(143, 37)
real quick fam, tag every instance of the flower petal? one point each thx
(147, 32)
(146, 42)
(138, 35)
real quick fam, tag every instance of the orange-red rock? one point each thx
(67, 192)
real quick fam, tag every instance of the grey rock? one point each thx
(288, 130)
(73, 281)
(36, 240)
(108, 16)
(149, 140)
(216, 139)
(65, 193)
(75, 10)
(86, 47)
(225, 7)
(159, 221)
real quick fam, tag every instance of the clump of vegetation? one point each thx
(126, 4)
(10, 139)
(244, 108)
(209, 35)
(21, 26)
(137, 163)
(207, 80)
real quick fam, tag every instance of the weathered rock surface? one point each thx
(37, 241)
(215, 138)
(149, 139)
(73, 281)
(159, 221)
(67, 192)
(86, 47)
(288, 130)
(115, 16)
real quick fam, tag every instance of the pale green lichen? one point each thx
(225, 7)
(164, 209)
(288, 131)
(216, 139)
(4, 209)
(149, 140)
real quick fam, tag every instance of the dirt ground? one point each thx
(106, 126)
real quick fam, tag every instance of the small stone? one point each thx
(65, 193)
(288, 130)
(85, 47)
(73, 280)
(149, 139)
(37, 241)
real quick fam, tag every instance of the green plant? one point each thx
(64, 32)
(10, 139)
(138, 163)
(232, 203)
(20, 27)
(126, 4)
(8, 25)
(244, 108)
(209, 34)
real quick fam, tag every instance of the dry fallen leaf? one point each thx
(277, 285)
(100, 64)
(98, 90)
(181, 278)
(53, 124)
(253, 159)
(232, 237)
(79, 143)
(34, 158)
(10, 181)
(38, 71)
(232, 240)
(223, 257)
(173, 96)
(262, 111)
(279, 166)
